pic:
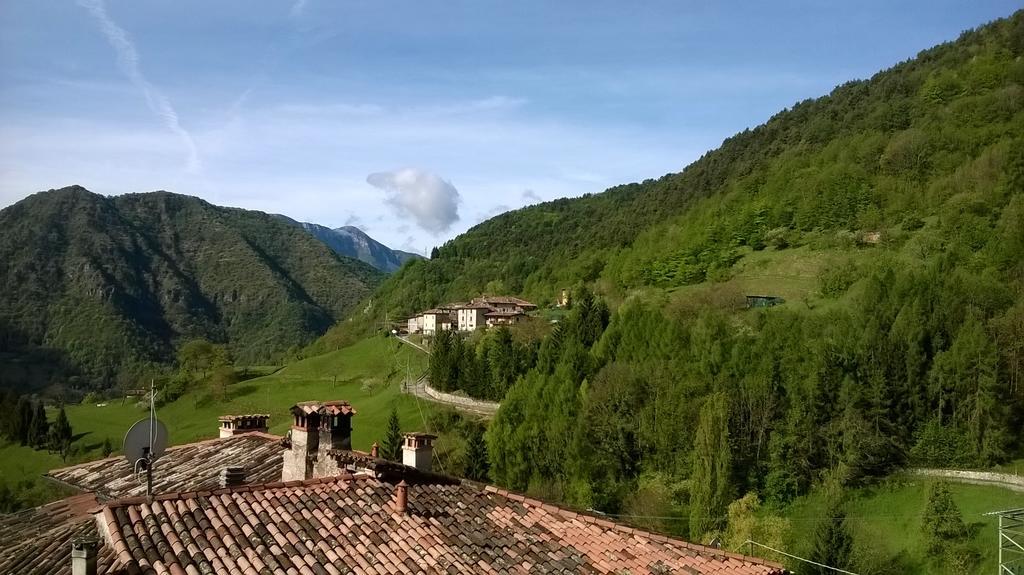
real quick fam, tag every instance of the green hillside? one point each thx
(95, 286)
(929, 148)
(888, 216)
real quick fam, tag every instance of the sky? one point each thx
(415, 120)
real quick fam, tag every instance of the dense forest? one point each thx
(684, 403)
(95, 290)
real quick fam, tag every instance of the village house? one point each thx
(480, 312)
(308, 503)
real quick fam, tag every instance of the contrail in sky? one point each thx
(128, 61)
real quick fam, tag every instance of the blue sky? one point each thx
(416, 119)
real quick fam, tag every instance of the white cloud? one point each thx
(531, 197)
(430, 201)
(128, 61)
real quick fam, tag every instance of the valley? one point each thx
(759, 353)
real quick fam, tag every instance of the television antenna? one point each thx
(1011, 541)
(145, 442)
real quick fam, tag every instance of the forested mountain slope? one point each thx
(97, 284)
(936, 136)
(900, 199)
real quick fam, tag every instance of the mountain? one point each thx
(353, 242)
(885, 224)
(911, 143)
(102, 284)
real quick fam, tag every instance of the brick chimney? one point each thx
(305, 441)
(231, 425)
(83, 556)
(418, 450)
(401, 502)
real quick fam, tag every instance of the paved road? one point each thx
(421, 388)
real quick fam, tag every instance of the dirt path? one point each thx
(421, 388)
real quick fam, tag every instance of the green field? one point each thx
(887, 519)
(367, 374)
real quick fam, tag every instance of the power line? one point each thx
(798, 558)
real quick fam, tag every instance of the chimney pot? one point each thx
(83, 556)
(374, 450)
(232, 476)
(401, 497)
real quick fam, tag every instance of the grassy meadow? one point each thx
(367, 374)
(885, 522)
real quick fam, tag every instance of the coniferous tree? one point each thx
(23, 421)
(391, 447)
(108, 447)
(39, 429)
(711, 486)
(832, 540)
(942, 523)
(61, 435)
(476, 465)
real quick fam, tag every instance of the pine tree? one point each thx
(108, 448)
(832, 540)
(39, 429)
(23, 421)
(391, 447)
(711, 486)
(61, 435)
(476, 465)
(942, 523)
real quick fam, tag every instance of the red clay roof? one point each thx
(347, 524)
(186, 467)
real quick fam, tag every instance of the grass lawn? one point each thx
(367, 374)
(887, 519)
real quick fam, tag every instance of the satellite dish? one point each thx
(145, 434)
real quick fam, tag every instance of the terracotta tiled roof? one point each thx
(37, 541)
(324, 407)
(347, 525)
(182, 468)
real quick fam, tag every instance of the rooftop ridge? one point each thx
(245, 488)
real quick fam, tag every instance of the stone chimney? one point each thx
(305, 441)
(83, 556)
(232, 476)
(231, 425)
(335, 426)
(401, 502)
(418, 450)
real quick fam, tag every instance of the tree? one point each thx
(108, 448)
(61, 435)
(832, 540)
(23, 421)
(39, 429)
(391, 447)
(942, 523)
(710, 483)
(199, 357)
(476, 466)
(220, 379)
